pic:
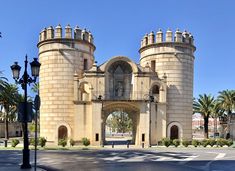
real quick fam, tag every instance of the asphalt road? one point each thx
(163, 159)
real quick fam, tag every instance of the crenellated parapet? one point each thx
(67, 33)
(169, 37)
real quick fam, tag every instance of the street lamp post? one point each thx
(23, 81)
(100, 98)
(151, 99)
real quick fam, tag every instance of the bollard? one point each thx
(112, 144)
(5, 142)
(127, 145)
(142, 145)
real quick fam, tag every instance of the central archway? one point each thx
(129, 111)
(119, 128)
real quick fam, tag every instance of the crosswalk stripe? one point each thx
(220, 156)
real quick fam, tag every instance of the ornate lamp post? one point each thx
(100, 98)
(23, 81)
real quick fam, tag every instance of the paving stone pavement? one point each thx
(164, 159)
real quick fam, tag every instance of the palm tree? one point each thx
(226, 99)
(35, 88)
(2, 84)
(8, 101)
(3, 81)
(204, 105)
(217, 111)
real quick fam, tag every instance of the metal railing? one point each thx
(131, 95)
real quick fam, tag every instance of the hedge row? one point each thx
(63, 142)
(41, 141)
(176, 142)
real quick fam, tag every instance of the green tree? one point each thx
(35, 88)
(204, 105)
(3, 82)
(226, 99)
(217, 111)
(120, 122)
(8, 102)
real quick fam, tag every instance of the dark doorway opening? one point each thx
(62, 132)
(174, 132)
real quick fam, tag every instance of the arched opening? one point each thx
(119, 128)
(62, 132)
(174, 134)
(119, 80)
(127, 116)
(155, 90)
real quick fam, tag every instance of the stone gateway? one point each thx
(77, 95)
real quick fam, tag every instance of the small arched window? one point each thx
(155, 89)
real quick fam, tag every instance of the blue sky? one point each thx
(118, 27)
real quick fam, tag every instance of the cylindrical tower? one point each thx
(173, 58)
(61, 57)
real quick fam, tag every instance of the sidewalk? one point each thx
(17, 168)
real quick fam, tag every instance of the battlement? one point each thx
(69, 33)
(179, 37)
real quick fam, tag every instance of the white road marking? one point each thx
(163, 158)
(220, 156)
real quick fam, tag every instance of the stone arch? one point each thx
(119, 77)
(172, 127)
(127, 107)
(63, 125)
(157, 90)
(132, 111)
(121, 58)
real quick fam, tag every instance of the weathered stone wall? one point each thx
(60, 59)
(175, 60)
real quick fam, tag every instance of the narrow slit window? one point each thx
(143, 137)
(153, 65)
(96, 137)
(85, 65)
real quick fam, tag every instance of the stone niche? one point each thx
(119, 80)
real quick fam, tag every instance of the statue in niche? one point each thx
(119, 89)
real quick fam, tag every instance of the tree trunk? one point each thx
(214, 119)
(216, 126)
(228, 124)
(6, 126)
(206, 119)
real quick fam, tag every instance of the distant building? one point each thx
(213, 126)
(15, 129)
